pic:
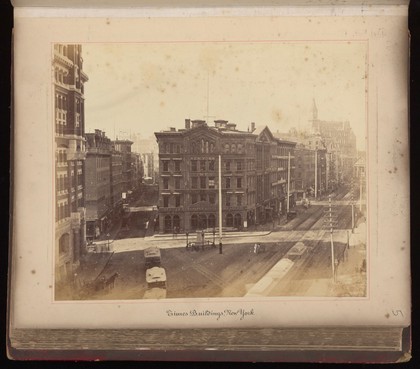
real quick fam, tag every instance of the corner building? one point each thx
(70, 224)
(189, 180)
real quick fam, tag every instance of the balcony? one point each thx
(60, 58)
(76, 155)
(279, 182)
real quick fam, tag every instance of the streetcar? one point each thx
(152, 257)
(156, 278)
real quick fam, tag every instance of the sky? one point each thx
(148, 87)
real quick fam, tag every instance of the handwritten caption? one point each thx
(240, 314)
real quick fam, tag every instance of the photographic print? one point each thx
(210, 169)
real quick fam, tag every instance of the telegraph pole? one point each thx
(329, 222)
(331, 238)
(316, 173)
(220, 198)
(288, 185)
(352, 205)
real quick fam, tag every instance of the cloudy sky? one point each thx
(148, 87)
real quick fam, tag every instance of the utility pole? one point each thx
(316, 173)
(220, 198)
(329, 221)
(352, 205)
(361, 190)
(288, 185)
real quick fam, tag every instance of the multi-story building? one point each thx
(340, 141)
(98, 183)
(149, 167)
(272, 169)
(189, 176)
(311, 159)
(116, 178)
(124, 147)
(69, 80)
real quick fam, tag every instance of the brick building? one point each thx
(188, 176)
(69, 80)
(98, 183)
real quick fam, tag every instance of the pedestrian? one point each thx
(220, 248)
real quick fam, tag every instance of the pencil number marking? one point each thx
(397, 313)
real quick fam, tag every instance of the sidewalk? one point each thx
(209, 235)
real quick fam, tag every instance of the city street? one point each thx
(236, 272)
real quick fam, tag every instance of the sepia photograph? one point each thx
(210, 169)
(217, 183)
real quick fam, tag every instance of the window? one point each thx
(178, 149)
(229, 220)
(239, 165)
(202, 165)
(166, 183)
(212, 198)
(194, 182)
(226, 148)
(194, 198)
(239, 200)
(211, 165)
(177, 166)
(202, 182)
(194, 165)
(228, 182)
(165, 166)
(177, 183)
(177, 201)
(165, 201)
(227, 165)
(240, 147)
(227, 200)
(211, 182)
(239, 182)
(233, 148)
(203, 197)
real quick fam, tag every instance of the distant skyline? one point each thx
(144, 88)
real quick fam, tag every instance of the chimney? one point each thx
(252, 127)
(187, 124)
(231, 126)
(221, 124)
(172, 129)
(198, 123)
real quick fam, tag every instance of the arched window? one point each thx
(212, 221)
(202, 221)
(238, 221)
(207, 147)
(168, 224)
(64, 244)
(226, 148)
(194, 221)
(176, 222)
(233, 148)
(229, 220)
